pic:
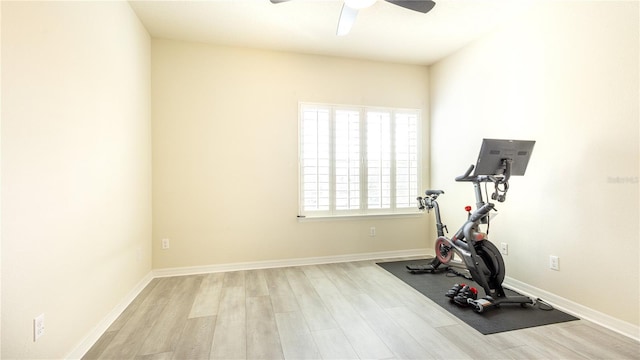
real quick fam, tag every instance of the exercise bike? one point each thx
(498, 160)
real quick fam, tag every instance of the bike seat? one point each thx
(433, 192)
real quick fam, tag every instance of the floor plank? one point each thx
(233, 279)
(159, 356)
(333, 344)
(196, 339)
(363, 339)
(170, 323)
(473, 343)
(230, 332)
(282, 297)
(208, 297)
(127, 342)
(397, 339)
(440, 347)
(148, 292)
(263, 340)
(297, 341)
(316, 314)
(255, 283)
(536, 344)
(593, 343)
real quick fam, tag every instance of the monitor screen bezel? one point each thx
(493, 152)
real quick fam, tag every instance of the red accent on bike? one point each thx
(474, 290)
(467, 208)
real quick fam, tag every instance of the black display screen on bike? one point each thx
(495, 152)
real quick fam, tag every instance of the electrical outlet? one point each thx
(554, 262)
(38, 327)
(504, 248)
(165, 244)
(372, 231)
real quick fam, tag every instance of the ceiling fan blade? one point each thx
(347, 18)
(423, 6)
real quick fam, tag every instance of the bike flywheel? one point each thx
(493, 260)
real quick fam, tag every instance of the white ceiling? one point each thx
(383, 32)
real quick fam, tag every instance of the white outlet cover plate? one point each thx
(38, 327)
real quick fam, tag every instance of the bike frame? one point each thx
(465, 240)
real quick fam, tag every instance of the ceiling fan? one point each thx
(350, 10)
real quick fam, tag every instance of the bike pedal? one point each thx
(419, 269)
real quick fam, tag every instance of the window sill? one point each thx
(312, 218)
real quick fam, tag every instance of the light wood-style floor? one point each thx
(350, 310)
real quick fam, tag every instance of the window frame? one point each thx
(363, 209)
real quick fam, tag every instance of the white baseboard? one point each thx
(575, 309)
(192, 270)
(95, 334)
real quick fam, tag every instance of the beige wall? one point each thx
(76, 161)
(225, 153)
(566, 75)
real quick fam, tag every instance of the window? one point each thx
(358, 160)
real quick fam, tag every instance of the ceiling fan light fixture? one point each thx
(359, 4)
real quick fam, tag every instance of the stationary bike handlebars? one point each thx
(501, 182)
(483, 178)
(466, 177)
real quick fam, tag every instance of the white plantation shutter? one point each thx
(406, 152)
(347, 160)
(315, 160)
(378, 160)
(358, 161)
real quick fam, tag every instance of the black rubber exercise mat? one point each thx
(506, 317)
